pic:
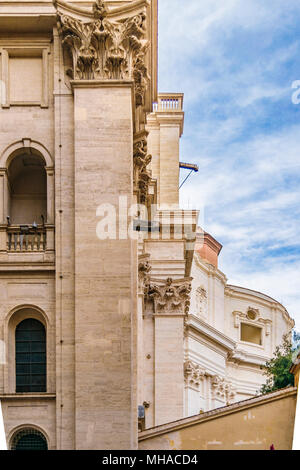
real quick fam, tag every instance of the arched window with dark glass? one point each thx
(30, 356)
(29, 439)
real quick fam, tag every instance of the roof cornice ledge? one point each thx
(87, 13)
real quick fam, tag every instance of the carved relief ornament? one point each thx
(106, 49)
(170, 296)
(201, 301)
(223, 389)
(141, 160)
(193, 374)
(144, 270)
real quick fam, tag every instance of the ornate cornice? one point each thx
(170, 296)
(193, 374)
(199, 329)
(141, 159)
(103, 48)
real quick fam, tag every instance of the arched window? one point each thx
(28, 189)
(29, 439)
(30, 356)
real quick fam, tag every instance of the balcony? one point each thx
(25, 243)
(26, 239)
(169, 103)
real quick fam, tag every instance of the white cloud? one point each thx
(280, 282)
(231, 59)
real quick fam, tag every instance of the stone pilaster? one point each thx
(105, 293)
(144, 269)
(105, 61)
(170, 304)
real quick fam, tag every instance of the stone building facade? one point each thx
(112, 300)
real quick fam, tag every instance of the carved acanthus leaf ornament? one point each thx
(104, 49)
(141, 160)
(171, 296)
(144, 270)
(223, 388)
(193, 373)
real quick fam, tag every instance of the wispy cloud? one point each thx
(235, 60)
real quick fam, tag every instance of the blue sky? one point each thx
(235, 61)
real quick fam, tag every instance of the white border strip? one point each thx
(296, 440)
(3, 445)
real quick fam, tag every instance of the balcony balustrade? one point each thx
(169, 103)
(26, 239)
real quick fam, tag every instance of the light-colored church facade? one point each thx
(98, 320)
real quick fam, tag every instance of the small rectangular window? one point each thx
(251, 334)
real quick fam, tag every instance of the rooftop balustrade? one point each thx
(169, 103)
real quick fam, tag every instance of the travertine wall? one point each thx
(34, 412)
(64, 250)
(24, 296)
(27, 280)
(104, 286)
(91, 311)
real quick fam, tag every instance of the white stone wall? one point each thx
(230, 367)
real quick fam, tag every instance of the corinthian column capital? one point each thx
(170, 297)
(102, 46)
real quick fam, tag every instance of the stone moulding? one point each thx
(170, 297)
(103, 48)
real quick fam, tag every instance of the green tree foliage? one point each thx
(277, 369)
